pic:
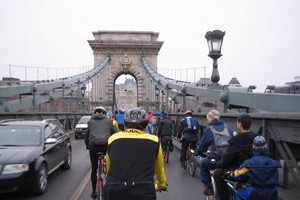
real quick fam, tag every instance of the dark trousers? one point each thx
(184, 147)
(207, 164)
(121, 127)
(137, 191)
(94, 162)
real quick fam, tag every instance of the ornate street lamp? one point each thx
(82, 90)
(214, 41)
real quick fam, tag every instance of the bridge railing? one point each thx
(29, 95)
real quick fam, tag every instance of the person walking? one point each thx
(188, 134)
(239, 150)
(212, 146)
(133, 158)
(260, 172)
(165, 130)
(100, 127)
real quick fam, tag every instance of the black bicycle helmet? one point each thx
(100, 109)
(136, 118)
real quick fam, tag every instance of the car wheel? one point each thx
(41, 181)
(68, 160)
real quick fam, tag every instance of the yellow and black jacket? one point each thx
(133, 158)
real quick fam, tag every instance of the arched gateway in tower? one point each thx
(125, 49)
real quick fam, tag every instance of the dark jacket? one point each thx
(239, 150)
(207, 140)
(100, 127)
(165, 127)
(261, 172)
(186, 136)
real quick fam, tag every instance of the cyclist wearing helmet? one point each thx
(133, 158)
(115, 123)
(100, 127)
(188, 132)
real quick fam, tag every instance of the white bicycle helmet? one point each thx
(100, 109)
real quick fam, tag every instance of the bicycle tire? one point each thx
(215, 195)
(167, 152)
(98, 184)
(100, 180)
(192, 168)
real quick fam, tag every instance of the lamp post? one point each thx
(214, 41)
(82, 89)
(157, 100)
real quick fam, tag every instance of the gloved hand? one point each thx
(228, 175)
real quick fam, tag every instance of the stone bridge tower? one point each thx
(125, 49)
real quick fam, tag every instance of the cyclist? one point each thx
(100, 127)
(188, 132)
(260, 171)
(165, 128)
(133, 158)
(239, 150)
(214, 141)
(115, 123)
(153, 121)
(120, 119)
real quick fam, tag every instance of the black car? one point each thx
(30, 151)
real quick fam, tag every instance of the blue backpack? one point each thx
(191, 125)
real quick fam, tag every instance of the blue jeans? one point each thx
(206, 166)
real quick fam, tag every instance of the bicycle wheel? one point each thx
(215, 195)
(167, 153)
(192, 168)
(98, 184)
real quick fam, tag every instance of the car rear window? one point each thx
(84, 120)
(20, 135)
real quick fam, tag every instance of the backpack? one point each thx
(221, 140)
(191, 125)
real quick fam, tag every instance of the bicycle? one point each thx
(167, 142)
(191, 161)
(101, 175)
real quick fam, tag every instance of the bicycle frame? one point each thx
(101, 175)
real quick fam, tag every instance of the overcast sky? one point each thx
(261, 46)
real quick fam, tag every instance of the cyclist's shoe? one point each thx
(161, 188)
(208, 191)
(94, 195)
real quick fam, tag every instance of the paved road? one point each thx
(181, 184)
(75, 184)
